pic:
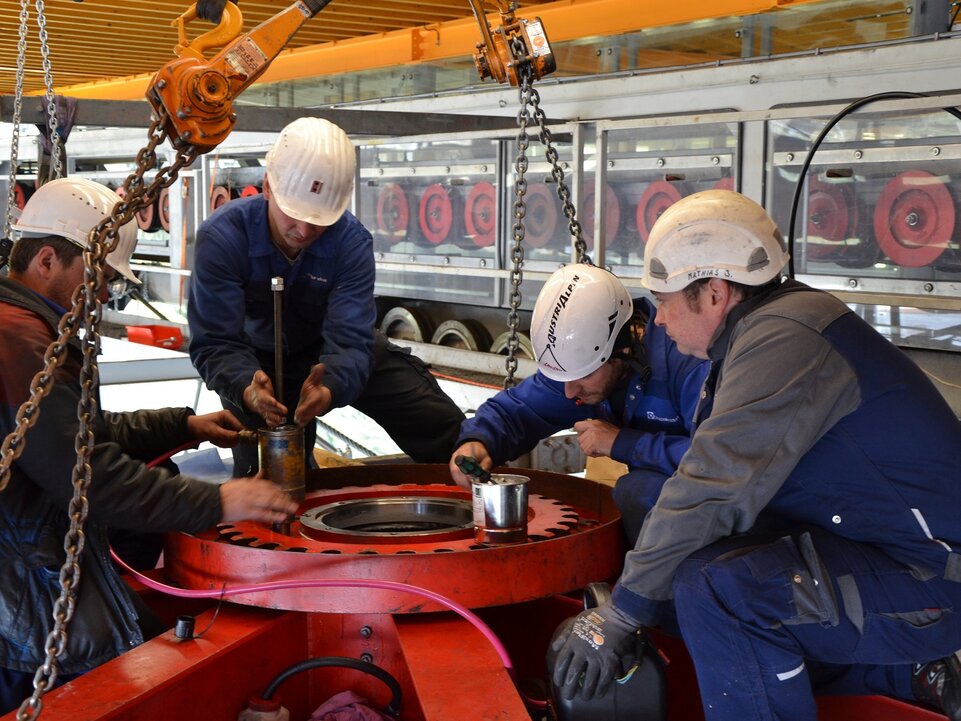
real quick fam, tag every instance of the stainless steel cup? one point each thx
(500, 509)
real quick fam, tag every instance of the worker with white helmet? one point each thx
(46, 267)
(604, 370)
(809, 540)
(300, 230)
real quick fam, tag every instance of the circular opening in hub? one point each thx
(389, 520)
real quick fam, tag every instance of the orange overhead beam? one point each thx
(564, 20)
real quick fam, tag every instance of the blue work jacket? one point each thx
(328, 303)
(655, 423)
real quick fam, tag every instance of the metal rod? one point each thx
(277, 286)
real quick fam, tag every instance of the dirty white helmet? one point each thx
(577, 317)
(713, 234)
(310, 169)
(71, 208)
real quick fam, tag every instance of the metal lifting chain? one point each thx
(557, 172)
(103, 239)
(518, 211)
(48, 83)
(530, 97)
(17, 108)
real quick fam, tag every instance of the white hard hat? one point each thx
(577, 316)
(71, 208)
(713, 234)
(310, 170)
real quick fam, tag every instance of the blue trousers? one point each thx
(635, 494)
(771, 620)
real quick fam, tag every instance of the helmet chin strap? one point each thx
(632, 350)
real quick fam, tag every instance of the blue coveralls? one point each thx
(328, 317)
(810, 537)
(655, 420)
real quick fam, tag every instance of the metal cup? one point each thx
(500, 509)
(281, 452)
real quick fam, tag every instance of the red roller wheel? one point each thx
(914, 218)
(613, 221)
(163, 208)
(724, 183)
(21, 194)
(832, 217)
(480, 214)
(393, 213)
(219, 196)
(436, 214)
(542, 216)
(249, 190)
(147, 218)
(656, 198)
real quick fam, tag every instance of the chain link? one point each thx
(85, 312)
(17, 108)
(48, 83)
(518, 211)
(557, 172)
(530, 98)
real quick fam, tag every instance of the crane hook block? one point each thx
(194, 96)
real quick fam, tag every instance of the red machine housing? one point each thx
(446, 667)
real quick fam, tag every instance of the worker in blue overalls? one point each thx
(604, 370)
(809, 540)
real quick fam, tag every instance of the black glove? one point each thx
(598, 647)
(211, 10)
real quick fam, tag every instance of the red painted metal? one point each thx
(480, 214)
(612, 206)
(914, 218)
(656, 198)
(393, 213)
(455, 671)
(832, 217)
(436, 213)
(542, 216)
(570, 544)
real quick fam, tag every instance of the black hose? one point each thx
(895, 95)
(392, 708)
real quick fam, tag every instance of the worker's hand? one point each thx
(476, 450)
(592, 652)
(254, 499)
(211, 10)
(220, 428)
(259, 398)
(596, 438)
(315, 397)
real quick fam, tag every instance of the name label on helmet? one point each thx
(558, 307)
(709, 273)
(316, 186)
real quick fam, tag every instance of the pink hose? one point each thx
(457, 608)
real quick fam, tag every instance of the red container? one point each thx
(161, 336)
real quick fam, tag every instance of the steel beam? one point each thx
(132, 113)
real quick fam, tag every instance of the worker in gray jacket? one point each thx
(809, 540)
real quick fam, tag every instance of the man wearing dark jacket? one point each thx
(300, 231)
(809, 541)
(45, 268)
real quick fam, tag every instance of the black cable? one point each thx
(392, 708)
(894, 95)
